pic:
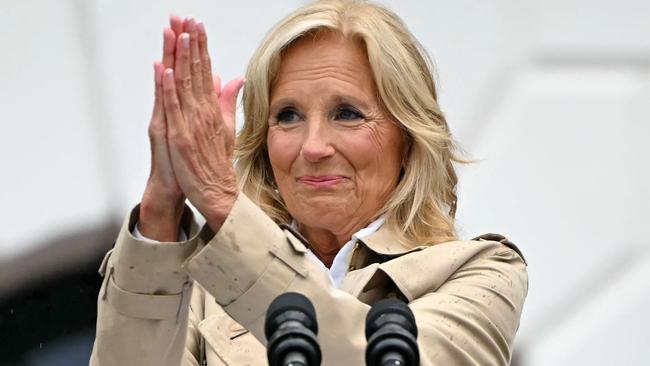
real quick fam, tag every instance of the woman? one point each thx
(344, 191)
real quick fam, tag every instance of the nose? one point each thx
(317, 145)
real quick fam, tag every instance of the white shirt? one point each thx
(340, 265)
(339, 268)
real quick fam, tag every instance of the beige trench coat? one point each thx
(204, 300)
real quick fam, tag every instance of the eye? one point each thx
(348, 113)
(287, 115)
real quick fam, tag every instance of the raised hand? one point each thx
(162, 202)
(200, 126)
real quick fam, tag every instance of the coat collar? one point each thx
(386, 242)
(383, 242)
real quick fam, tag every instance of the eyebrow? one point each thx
(283, 102)
(348, 99)
(337, 99)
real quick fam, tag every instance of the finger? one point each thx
(158, 111)
(176, 24)
(195, 57)
(208, 86)
(186, 25)
(228, 101)
(158, 69)
(172, 106)
(169, 45)
(182, 71)
(216, 83)
(158, 125)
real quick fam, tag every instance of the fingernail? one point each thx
(185, 40)
(191, 25)
(200, 27)
(169, 74)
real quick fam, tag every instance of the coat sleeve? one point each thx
(143, 304)
(462, 320)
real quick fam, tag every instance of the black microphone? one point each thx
(291, 330)
(392, 335)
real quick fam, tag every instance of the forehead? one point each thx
(322, 56)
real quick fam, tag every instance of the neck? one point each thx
(324, 243)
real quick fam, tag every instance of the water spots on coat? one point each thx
(131, 267)
(452, 265)
(233, 240)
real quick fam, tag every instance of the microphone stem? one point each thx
(295, 359)
(392, 359)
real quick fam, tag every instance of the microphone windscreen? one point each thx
(290, 301)
(386, 307)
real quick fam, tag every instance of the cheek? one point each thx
(283, 151)
(373, 152)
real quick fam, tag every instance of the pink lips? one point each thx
(323, 181)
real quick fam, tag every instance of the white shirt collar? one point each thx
(340, 265)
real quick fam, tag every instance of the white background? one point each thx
(551, 98)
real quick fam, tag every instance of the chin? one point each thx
(326, 215)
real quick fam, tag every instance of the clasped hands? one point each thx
(192, 135)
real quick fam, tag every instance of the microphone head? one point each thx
(390, 311)
(290, 306)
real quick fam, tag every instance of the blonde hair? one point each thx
(423, 205)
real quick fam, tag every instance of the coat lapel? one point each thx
(371, 282)
(391, 274)
(356, 281)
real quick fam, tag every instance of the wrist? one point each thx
(160, 216)
(215, 214)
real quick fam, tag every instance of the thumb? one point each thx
(228, 100)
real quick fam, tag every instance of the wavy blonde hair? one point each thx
(423, 205)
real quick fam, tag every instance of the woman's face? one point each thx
(336, 155)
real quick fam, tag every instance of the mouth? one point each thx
(322, 181)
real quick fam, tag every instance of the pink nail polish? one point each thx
(191, 25)
(185, 40)
(200, 27)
